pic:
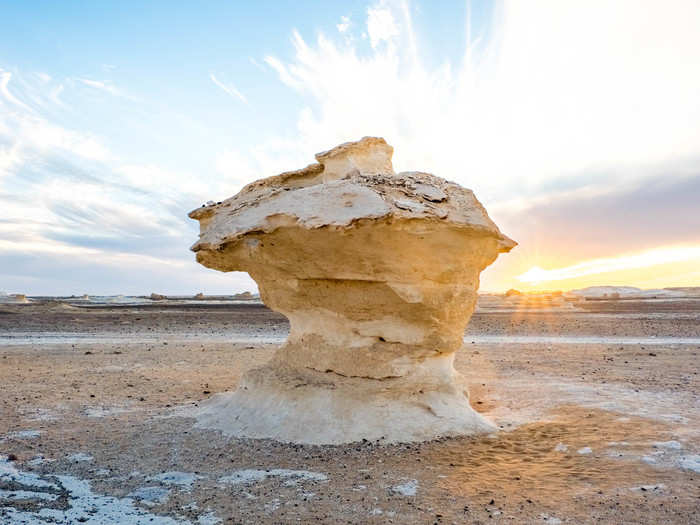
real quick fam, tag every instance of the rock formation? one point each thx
(377, 273)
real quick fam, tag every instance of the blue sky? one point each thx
(575, 123)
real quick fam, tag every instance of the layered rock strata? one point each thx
(377, 273)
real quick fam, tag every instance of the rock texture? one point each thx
(378, 274)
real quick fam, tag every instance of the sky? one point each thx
(577, 125)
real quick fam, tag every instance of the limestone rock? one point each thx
(14, 298)
(378, 274)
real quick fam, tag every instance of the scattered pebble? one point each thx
(649, 488)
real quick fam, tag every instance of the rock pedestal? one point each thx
(378, 274)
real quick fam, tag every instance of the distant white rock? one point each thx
(13, 298)
(598, 292)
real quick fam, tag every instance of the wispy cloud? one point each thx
(70, 201)
(102, 86)
(257, 64)
(230, 89)
(5, 77)
(344, 24)
(9, 157)
(595, 86)
(282, 70)
(44, 77)
(381, 26)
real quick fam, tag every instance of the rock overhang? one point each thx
(352, 183)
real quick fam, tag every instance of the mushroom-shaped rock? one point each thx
(377, 273)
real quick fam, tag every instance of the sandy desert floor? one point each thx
(599, 406)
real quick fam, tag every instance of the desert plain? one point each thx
(597, 404)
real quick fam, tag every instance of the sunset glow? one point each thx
(537, 275)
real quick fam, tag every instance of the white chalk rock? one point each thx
(378, 274)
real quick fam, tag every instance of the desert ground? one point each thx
(598, 405)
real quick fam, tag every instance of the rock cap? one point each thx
(352, 182)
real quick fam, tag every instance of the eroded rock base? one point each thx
(324, 408)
